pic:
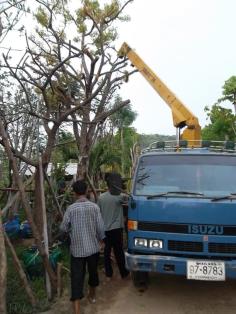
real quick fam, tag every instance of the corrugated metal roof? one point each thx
(70, 169)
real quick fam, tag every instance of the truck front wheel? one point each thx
(140, 278)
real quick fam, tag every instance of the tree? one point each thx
(116, 138)
(6, 23)
(123, 117)
(3, 270)
(10, 13)
(50, 67)
(222, 120)
(73, 80)
(66, 147)
(146, 139)
(121, 120)
(104, 155)
(127, 138)
(229, 91)
(221, 126)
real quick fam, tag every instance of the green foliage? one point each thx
(125, 144)
(92, 9)
(108, 154)
(221, 126)
(124, 117)
(102, 16)
(67, 146)
(146, 139)
(103, 154)
(42, 17)
(105, 37)
(18, 301)
(229, 90)
(126, 136)
(4, 170)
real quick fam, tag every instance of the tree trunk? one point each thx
(27, 208)
(45, 227)
(16, 196)
(82, 167)
(60, 212)
(37, 210)
(84, 145)
(3, 270)
(122, 152)
(84, 149)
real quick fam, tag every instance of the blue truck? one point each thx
(182, 209)
(182, 212)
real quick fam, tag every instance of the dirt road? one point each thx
(170, 295)
(165, 295)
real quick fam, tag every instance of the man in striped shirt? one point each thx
(84, 223)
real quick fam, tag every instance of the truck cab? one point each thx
(182, 212)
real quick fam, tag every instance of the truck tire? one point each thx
(140, 278)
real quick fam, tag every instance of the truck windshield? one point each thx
(211, 175)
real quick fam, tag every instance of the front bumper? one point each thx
(169, 264)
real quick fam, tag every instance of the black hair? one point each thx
(106, 176)
(114, 183)
(80, 187)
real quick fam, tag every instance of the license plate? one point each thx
(206, 270)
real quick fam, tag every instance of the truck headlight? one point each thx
(157, 244)
(140, 242)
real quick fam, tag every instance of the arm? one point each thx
(124, 198)
(100, 226)
(65, 225)
(99, 203)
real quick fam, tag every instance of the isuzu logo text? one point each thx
(205, 229)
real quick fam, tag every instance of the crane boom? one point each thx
(182, 116)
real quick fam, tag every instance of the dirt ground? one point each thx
(165, 295)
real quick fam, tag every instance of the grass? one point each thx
(17, 299)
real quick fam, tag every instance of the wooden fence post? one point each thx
(21, 272)
(3, 269)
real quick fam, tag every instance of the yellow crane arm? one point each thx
(182, 116)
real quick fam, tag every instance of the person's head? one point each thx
(106, 176)
(114, 183)
(80, 187)
(61, 187)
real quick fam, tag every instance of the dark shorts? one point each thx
(78, 270)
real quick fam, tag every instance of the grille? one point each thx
(162, 227)
(222, 248)
(185, 228)
(185, 246)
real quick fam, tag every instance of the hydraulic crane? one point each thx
(182, 116)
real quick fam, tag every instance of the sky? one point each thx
(190, 45)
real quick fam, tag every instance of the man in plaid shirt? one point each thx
(84, 223)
